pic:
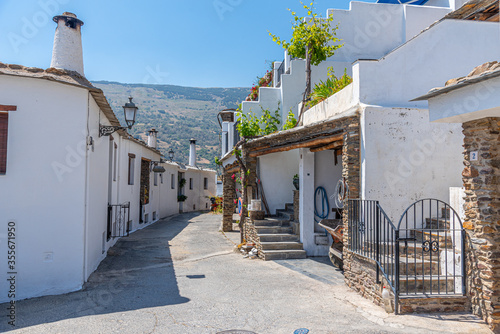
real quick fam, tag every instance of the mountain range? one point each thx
(177, 113)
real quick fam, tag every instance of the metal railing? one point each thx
(422, 256)
(373, 235)
(118, 220)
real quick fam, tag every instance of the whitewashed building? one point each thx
(394, 53)
(70, 191)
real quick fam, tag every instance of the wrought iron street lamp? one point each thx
(171, 155)
(129, 111)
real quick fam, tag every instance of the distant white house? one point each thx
(70, 191)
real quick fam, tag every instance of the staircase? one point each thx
(276, 236)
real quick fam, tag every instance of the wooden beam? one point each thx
(494, 18)
(335, 144)
(7, 108)
(288, 147)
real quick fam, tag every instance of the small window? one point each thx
(146, 218)
(4, 124)
(191, 183)
(115, 161)
(131, 163)
(154, 215)
(155, 179)
(205, 183)
(172, 181)
(161, 178)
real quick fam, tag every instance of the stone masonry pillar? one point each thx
(481, 177)
(228, 206)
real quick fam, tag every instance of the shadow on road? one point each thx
(137, 273)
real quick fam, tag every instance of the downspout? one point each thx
(85, 215)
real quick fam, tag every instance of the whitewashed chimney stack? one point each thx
(153, 138)
(192, 152)
(67, 53)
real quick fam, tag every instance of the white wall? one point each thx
(450, 49)
(406, 158)
(198, 198)
(43, 189)
(276, 175)
(168, 199)
(468, 103)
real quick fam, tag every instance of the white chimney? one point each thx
(152, 138)
(192, 152)
(67, 53)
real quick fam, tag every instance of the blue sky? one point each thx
(201, 43)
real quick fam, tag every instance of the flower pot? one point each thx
(296, 183)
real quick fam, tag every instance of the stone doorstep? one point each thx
(272, 229)
(283, 254)
(278, 237)
(271, 222)
(435, 304)
(281, 245)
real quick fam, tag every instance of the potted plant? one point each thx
(181, 198)
(296, 181)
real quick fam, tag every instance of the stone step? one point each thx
(271, 222)
(439, 223)
(285, 214)
(273, 229)
(283, 254)
(433, 304)
(412, 266)
(278, 237)
(426, 284)
(444, 237)
(289, 207)
(283, 245)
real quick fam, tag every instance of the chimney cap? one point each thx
(192, 141)
(153, 130)
(68, 17)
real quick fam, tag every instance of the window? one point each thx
(191, 183)
(4, 124)
(205, 183)
(115, 163)
(155, 179)
(161, 178)
(131, 163)
(172, 181)
(154, 215)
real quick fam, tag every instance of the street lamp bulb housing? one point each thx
(130, 112)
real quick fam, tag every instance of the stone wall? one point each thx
(296, 205)
(250, 235)
(228, 206)
(481, 179)
(360, 275)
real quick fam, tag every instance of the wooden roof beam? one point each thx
(288, 147)
(334, 145)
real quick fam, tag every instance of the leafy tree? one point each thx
(310, 40)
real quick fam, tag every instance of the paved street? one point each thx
(181, 276)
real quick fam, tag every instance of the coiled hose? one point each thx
(325, 206)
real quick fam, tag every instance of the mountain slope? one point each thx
(178, 113)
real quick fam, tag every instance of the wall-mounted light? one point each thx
(171, 155)
(155, 168)
(129, 111)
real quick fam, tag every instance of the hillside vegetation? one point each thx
(178, 113)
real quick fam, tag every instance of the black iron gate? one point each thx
(422, 256)
(118, 220)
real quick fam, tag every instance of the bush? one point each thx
(332, 85)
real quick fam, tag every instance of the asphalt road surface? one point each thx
(181, 275)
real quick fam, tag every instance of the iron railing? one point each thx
(422, 256)
(432, 259)
(373, 235)
(118, 220)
